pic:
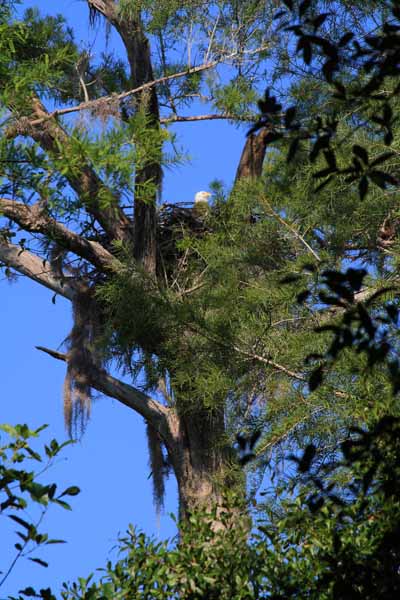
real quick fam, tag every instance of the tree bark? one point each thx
(145, 214)
(139, 57)
(203, 463)
(252, 158)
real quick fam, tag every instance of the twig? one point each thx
(211, 39)
(272, 363)
(112, 98)
(292, 229)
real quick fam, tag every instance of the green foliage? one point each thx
(360, 70)
(236, 98)
(231, 317)
(175, 326)
(331, 543)
(21, 490)
(38, 55)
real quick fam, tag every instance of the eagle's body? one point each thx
(201, 207)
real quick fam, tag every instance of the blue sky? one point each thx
(109, 464)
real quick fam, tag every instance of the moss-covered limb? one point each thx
(133, 398)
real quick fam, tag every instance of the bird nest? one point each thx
(175, 221)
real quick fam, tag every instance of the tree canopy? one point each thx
(213, 315)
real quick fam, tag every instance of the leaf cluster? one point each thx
(330, 544)
(360, 75)
(20, 489)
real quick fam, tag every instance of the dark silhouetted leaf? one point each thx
(39, 561)
(323, 184)
(355, 277)
(71, 491)
(20, 521)
(361, 153)
(393, 312)
(303, 296)
(279, 14)
(318, 21)
(255, 436)
(304, 6)
(307, 458)
(294, 146)
(289, 116)
(345, 39)
(363, 187)
(292, 278)
(315, 379)
(241, 440)
(315, 505)
(382, 158)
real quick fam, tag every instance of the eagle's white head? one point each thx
(202, 197)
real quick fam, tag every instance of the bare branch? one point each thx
(35, 268)
(210, 117)
(267, 361)
(34, 219)
(290, 227)
(154, 412)
(96, 103)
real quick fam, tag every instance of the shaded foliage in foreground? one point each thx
(339, 539)
(23, 498)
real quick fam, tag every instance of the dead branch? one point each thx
(267, 361)
(210, 117)
(98, 102)
(290, 227)
(253, 154)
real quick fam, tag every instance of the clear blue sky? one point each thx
(110, 462)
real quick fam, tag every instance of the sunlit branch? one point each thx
(210, 117)
(37, 269)
(142, 403)
(96, 103)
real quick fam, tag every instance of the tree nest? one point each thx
(175, 221)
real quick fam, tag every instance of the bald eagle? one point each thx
(200, 208)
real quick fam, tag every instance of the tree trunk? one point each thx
(252, 158)
(204, 464)
(148, 176)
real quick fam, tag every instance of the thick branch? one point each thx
(35, 220)
(35, 268)
(154, 412)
